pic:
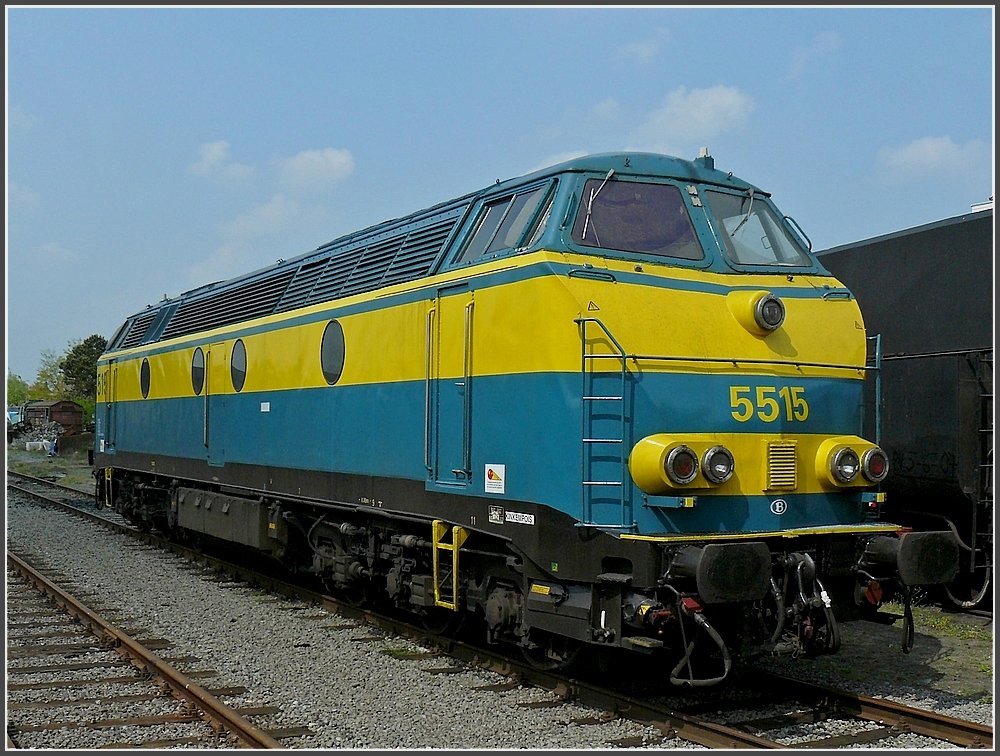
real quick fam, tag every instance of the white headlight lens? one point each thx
(718, 464)
(769, 312)
(845, 465)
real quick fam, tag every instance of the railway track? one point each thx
(90, 664)
(793, 719)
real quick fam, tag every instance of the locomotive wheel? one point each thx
(551, 652)
(354, 594)
(969, 589)
(441, 621)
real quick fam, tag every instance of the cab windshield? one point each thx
(633, 216)
(751, 232)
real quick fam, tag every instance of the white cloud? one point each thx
(57, 254)
(689, 119)
(21, 196)
(645, 50)
(606, 110)
(262, 220)
(232, 257)
(822, 44)
(213, 162)
(316, 168)
(930, 156)
(266, 223)
(18, 119)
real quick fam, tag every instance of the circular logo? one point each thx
(779, 506)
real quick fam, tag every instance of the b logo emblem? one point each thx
(779, 506)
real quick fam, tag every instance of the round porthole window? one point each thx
(198, 371)
(238, 367)
(144, 378)
(332, 352)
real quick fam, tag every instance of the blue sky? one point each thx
(151, 150)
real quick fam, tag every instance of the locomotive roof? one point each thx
(389, 252)
(700, 169)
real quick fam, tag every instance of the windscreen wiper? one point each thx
(745, 217)
(590, 204)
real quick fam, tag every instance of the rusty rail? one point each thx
(249, 735)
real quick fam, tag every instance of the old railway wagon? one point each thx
(613, 404)
(935, 404)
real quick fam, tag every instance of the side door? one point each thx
(217, 381)
(451, 324)
(110, 394)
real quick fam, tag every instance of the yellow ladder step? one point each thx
(439, 530)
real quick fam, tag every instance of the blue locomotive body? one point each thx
(618, 398)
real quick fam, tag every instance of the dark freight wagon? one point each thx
(928, 291)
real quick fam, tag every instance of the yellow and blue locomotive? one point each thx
(616, 403)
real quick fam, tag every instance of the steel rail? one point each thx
(900, 716)
(184, 687)
(671, 723)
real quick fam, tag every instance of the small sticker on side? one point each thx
(496, 478)
(521, 517)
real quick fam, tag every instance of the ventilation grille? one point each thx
(298, 291)
(371, 268)
(138, 329)
(390, 253)
(355, 270)
(244, 302)
(419, 250)
(781, 460)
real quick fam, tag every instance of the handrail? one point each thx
(877, 338)
(208, 390)
(587, 485)
(790, 221)
(622, 354)
(467, 392)
(619, 347)
(924, 355)
(427, 388)
(726, 360)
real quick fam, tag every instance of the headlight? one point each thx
(769, 312)
(681, 465)
(718, 464)
(845, 465)
(875, 465)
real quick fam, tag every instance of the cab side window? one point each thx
(503, 223)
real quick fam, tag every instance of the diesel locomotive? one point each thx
(614, 405)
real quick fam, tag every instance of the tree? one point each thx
(79, 366)
(17, 390)
(49, 384)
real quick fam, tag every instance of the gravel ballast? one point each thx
(342, 685)
(346, 690)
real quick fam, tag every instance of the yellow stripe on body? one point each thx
(790, 533)
(526, 327)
